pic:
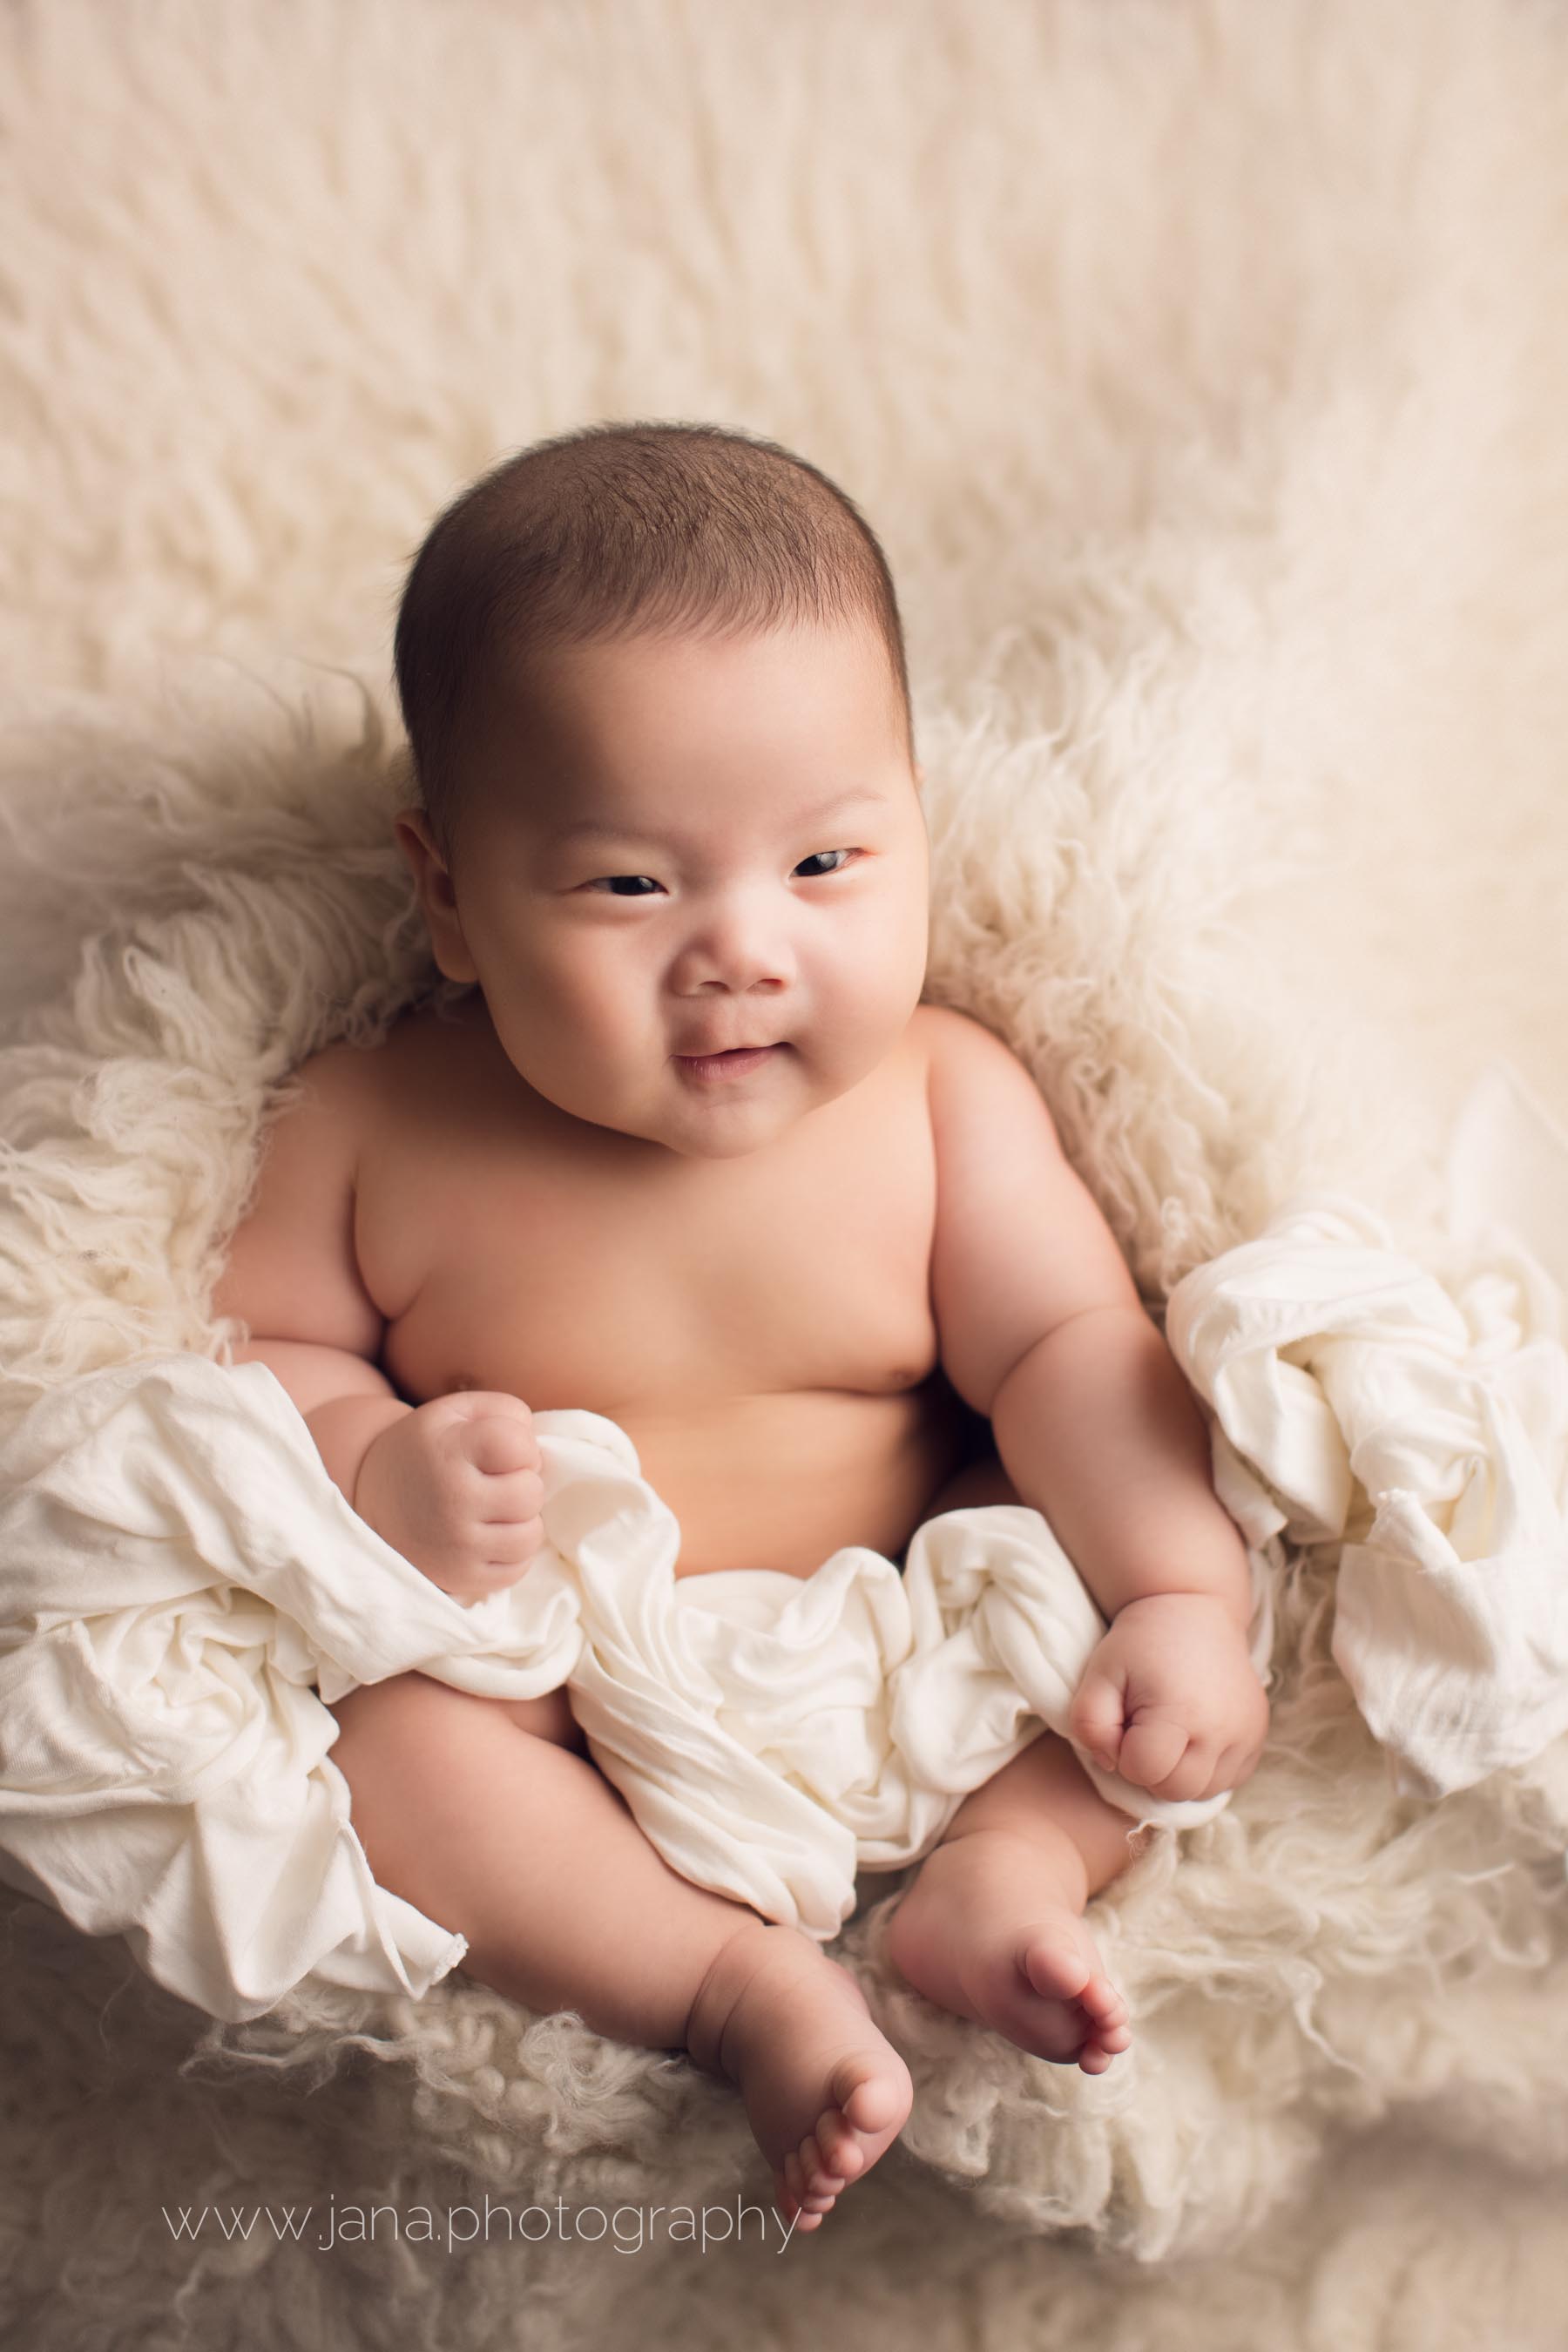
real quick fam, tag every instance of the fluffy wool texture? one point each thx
(1203, 367)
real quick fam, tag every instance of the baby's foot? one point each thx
(824, 2093)
(989, 1930)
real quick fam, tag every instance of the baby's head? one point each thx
(654, 681)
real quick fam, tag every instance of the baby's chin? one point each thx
(718, 1135)
(717, 1124)
(727, 1131)
(734, 1148)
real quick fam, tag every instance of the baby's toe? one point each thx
(799, 2207)
(1102, 2003)
(820, 2175)
(812, 2194)
(1105, 2042)
(1055, 1967)
(872, 2104)
(843, 2157)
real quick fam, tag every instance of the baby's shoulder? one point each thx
(946, 1037)
(356, 1087)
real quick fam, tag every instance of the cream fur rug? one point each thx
(1203, 366)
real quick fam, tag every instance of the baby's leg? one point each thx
(993, 1928)
(479, 1813)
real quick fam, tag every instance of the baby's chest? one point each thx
(558, 1277)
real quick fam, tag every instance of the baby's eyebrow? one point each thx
(593, 828)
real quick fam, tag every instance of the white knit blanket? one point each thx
(184, 1591)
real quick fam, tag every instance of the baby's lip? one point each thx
(706, 1053)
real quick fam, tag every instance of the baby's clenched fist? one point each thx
(1170, 1699)
(455, 1486)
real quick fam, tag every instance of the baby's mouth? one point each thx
(735, 1063)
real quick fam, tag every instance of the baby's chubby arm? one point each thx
(1041, 1328)
(452, 1484)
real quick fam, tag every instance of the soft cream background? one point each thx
(1232, 328)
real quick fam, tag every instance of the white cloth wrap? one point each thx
(177, 1570)
(1421, 1423)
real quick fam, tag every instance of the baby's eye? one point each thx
(610, 882)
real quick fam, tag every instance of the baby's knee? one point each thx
(414, 1707)
(550, 1718)
(369, 1704)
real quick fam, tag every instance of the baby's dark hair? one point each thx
(613, 530)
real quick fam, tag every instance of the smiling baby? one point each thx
(693, 1154)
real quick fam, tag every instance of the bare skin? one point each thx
(541, 1206)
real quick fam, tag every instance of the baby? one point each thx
(693, 1154)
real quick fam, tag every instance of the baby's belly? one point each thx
(782, 1481)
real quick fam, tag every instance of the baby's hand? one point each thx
(1171, 1700)
(455, 1487)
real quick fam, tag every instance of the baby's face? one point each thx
(756, 873)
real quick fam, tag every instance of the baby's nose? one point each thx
(736, 952)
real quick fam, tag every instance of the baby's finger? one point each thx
(1094, 1717)
(510, 1543)
(507, 1494)
(1194, 1776)
(1151, 1752)
(469, 1401)
(495, 1444)
(479, 1578)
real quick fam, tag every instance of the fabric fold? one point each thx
(185, 1591)
(1419, 1419)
